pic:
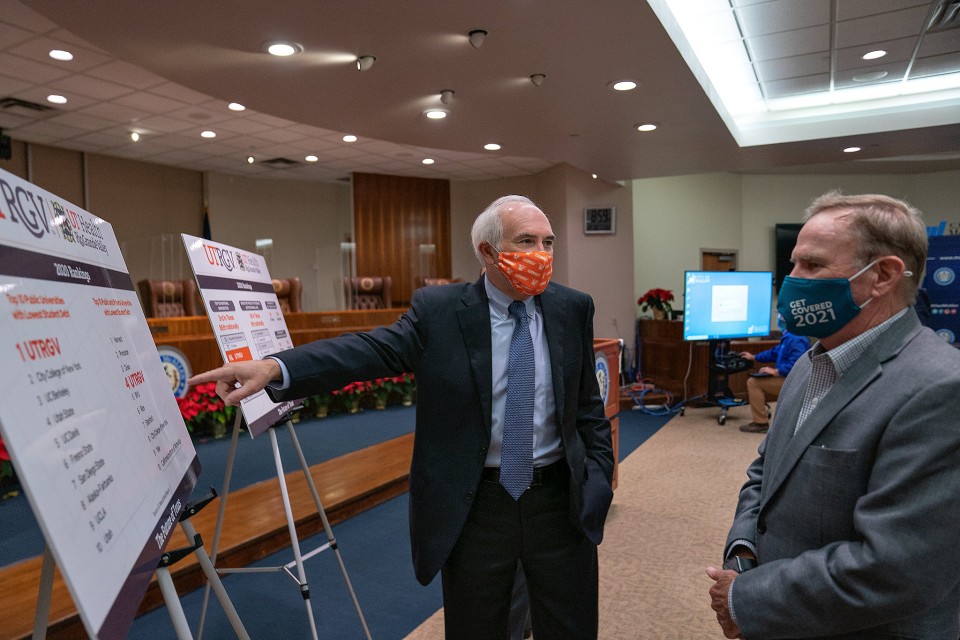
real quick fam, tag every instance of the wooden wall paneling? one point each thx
(393, 217)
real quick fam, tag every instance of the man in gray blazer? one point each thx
(849, 523)
(459, 341)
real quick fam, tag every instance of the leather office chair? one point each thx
(289, 292)
(368, 292)
(168, 298)
(431, 282)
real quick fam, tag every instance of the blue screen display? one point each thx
(727, 304)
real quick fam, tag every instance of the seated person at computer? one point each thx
(765, 385)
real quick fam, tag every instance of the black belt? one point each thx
(541, 475)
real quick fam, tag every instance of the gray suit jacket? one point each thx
(856, 519)
(444, 338)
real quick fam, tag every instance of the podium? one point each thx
(606, 357)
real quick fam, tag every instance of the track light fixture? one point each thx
(477, 36)
(365, 62)
(446, 96)
(538, 79)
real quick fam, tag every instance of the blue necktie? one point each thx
(516, 455)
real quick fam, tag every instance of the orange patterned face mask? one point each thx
(528, 271)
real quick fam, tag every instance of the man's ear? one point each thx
(890, 271)
(489, 253)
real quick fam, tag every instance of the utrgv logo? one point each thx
(219, 257)
(25, 208)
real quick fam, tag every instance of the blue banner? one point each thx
(943, 286)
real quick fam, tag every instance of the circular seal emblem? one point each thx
(177, 367)
(944, 276)
(947, 335)
(602, 369)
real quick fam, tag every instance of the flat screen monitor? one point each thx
(718, 305)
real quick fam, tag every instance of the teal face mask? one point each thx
(818, 307)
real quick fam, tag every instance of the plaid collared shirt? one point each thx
(829, 366)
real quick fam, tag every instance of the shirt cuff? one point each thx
(740, 542)
(284, 382)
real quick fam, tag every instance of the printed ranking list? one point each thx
(88, 415)
(245, 315)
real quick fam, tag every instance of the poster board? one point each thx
(94, 432)
(245, 315)
(943, 286)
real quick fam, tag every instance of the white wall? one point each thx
(599, 265)
(307, 222)
(676, 217)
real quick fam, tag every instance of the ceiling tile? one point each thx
(86, 85)
(782, 15)
(879, 28)
(81, 121)
(792, 67)
(149, 102)
(163, 124)
(115, 112)
(127, 75)
(850, 9)
(897, 51)
(28, 70)
(791, 43)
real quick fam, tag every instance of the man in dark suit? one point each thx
(847, 525)
(513, 458)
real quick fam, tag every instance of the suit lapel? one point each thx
(474, 319)
(865, 370)
(554, 312)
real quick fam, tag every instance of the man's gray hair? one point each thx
(886, 227)
(488, 227)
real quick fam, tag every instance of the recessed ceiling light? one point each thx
(134, 136)
(235, 106)
(311, 158)
(492, 146)
(647, 126)
(870, 76)
(851, 149)
(436, 114)
(55, 99)
(873, 55)
(427, 161)
(349, 138)
(60, 54)
(623, 85)
(249, 159)
(208, 134)
(283, 49)
(593, 175)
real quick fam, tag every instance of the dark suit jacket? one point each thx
(856, 518)
(444, 338)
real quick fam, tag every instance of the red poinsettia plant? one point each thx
(204, 411)
(6, 468)
(659, 299)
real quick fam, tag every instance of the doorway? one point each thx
(718, 260)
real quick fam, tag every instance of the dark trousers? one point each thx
(560, 565)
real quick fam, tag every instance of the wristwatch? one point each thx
(740, 564)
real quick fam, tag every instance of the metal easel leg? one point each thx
(291, 526)
(221, 512)
(213, 579)
(331, 540)
(44, 594)
(172, 600)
